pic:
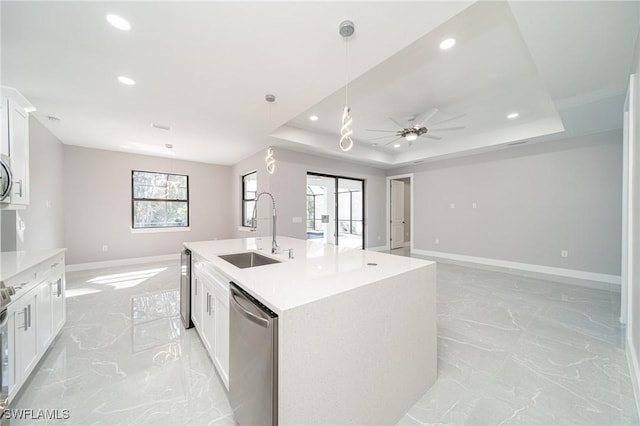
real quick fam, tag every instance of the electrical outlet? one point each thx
(437, 241)
(296, 219)
(378, 237)
(105, 248)
(474, 205)
(453, 205)
(564, 253)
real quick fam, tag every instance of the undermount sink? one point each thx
(249, 259)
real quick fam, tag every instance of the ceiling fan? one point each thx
(415, 127)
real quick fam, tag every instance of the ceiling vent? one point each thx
(161, 126)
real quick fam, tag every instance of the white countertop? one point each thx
(317, 271)
(13, 263)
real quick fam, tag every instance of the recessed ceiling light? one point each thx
(513, 115)
(119, 22)
(397, 145)
(447, 43)
(313, 117)
(126, 80)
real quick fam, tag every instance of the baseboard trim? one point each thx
(634, 369)
(122, 262)
(567, 276)
(379, 248)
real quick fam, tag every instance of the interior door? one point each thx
(397, 214)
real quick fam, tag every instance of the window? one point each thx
(249, 189)
(159, 200)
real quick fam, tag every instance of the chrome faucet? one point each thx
(275, 249)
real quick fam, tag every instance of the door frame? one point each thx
(388, 209)
(364, 201)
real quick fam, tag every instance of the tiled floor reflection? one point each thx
(123, 358)
(512, 350)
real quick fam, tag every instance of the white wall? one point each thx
(633, 310)
(532, 202)
(98, 205)
(43, 219)
(288, 185)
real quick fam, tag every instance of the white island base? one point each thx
(356, 328)
(360, 357)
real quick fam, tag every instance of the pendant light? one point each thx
(269, 160)
(346, 30)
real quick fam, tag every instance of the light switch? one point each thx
(297, 219)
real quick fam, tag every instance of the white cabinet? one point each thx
(36, 316)
(51, 302)
(24, 351)
(208, 318)
(221, 351)
(44, 327)
(210, 314)
(58, 303)
(14, 144)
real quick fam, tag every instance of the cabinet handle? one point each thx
(59, 287)
(208, 303)
(29, 310)
(196, 285)
(24, 314)
(19, 192)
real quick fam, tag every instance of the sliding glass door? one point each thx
(335, 210)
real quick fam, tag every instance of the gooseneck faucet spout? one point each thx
(275, 249)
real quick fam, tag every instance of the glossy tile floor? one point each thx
(512, 350)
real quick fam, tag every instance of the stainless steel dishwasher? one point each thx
(253, 360)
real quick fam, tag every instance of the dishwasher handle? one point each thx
(242, 311)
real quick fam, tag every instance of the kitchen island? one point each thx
(357, 328)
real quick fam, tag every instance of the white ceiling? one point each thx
(203, 68)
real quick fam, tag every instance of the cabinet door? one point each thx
(58, 304)
(19, 152)
(196, 300)
(25, 351)
(221, 352)
(44, 329)
(208, 315)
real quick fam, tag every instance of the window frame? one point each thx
(243, 200)
(159, 228)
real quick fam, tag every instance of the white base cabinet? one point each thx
(37, 313)
(210, 314)
(24, 341)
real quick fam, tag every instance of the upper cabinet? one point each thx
(14, 147)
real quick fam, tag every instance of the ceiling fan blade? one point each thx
(392, 141)
(382, 137)
(376, 130)
(397, 123)
(437, 138)
(448, 128)
(448, 119)
(420, 120)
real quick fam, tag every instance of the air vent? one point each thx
(161, 126)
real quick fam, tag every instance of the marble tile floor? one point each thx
(512, 350)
